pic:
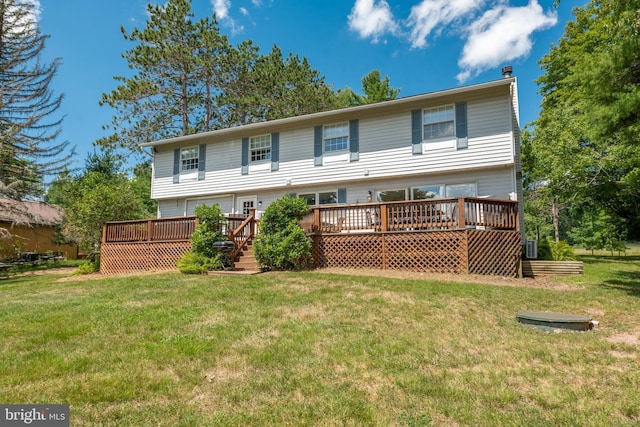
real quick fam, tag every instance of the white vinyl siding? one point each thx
(385, 151)
(385, 157)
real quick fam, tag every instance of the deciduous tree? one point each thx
(587, 134)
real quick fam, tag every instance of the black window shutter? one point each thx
(416, 131)
(245, 156)
(275, 151)
(342, 195)
(202, 161)
(317, 146)
(462, 140)
(354, 140)
(176, 166)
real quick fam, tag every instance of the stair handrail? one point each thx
(239, 238)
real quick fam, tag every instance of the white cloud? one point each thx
(221, 9)
(20, 19)
(372, 19)
(244, 11)
(433, 15)
(502, 34)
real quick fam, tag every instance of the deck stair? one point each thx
(246, 260)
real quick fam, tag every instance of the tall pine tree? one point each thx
(175, 82)
(189, 79)
(29, 151)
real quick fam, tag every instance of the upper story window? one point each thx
(260, 148)
(438, 123)
(189, 159)
(336, 137)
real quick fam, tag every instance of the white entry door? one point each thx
(245, 203)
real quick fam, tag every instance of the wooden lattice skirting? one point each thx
(118, 258)
(492, 252)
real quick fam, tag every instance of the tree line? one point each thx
(581, 157)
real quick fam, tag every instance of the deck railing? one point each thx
(149, 230)
(243, 233)
(238, 228)
(415, 215)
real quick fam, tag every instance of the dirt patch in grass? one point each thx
(629, 338)
(528, 282)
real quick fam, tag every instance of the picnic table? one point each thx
(4, 270)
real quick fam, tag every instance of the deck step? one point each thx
(246, 260)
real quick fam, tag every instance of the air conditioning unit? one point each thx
(532, 249)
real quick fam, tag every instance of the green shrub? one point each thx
(203, 257)
(193, 263)
(544, 250)
(561, 251)
(282, 244)
(88, 267)
(210, 222)
(281, 213)
(289, 249)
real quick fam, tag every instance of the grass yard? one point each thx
(323, 349)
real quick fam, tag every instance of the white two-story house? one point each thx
(450, 143)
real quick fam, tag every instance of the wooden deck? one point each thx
(158, 244)
(456, 235)
(459, 235)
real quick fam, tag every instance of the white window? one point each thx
(260, 148)
(427, 192)
(309, 198)
(336, 137)
(461, 190)
(391, 195)
(328, 198)
(438, 123)
(189, 159)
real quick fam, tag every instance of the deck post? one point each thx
(104, 233)
(252, 214)
(149, 230)
(384, 218)
(462, 223)
(316, 221)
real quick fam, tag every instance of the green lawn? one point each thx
(320, 349)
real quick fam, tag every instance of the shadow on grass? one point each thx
(599, 259)
(627, 281)
(615, 272)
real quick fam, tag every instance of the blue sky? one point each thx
(422, 45)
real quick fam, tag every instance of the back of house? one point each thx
(451, 143)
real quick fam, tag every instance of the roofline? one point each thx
(253, 127)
